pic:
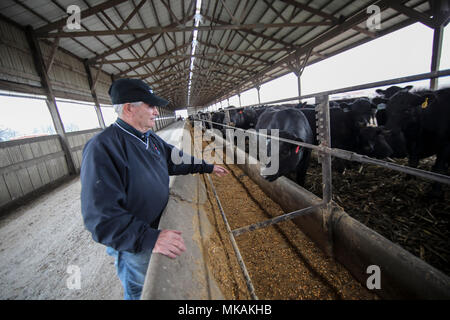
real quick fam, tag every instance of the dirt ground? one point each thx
(38, 243)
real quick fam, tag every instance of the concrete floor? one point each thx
(43, 246)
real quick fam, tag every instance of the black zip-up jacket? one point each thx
(125, 185)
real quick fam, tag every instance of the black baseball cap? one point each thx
(134, 90)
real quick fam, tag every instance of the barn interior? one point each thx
(194, 53)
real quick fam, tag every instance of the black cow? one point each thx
(421, 122)
(292, 124)
(218, 117)
(205, 117)
(346, 134)
(389, 92)
(381, 101)
(244, 118)
(361, 110)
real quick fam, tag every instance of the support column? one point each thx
(258, 87)
(91, 81)
(257, 84)
(51, 102)
(436, 55)
(323, 131)
(240, 104)
(297, 66)
(299, 87)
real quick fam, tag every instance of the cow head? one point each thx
(288, 156)
(237, 117)
(403, 112)
(361, 111)
(404, 108)
(389, 92)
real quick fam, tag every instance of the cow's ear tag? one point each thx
(425, 103)
(296, 150)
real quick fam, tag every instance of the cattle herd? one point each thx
(398, 123)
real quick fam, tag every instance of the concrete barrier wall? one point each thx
(187, 277)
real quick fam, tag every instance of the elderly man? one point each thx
(125, 184)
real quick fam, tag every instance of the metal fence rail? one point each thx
(352, 156)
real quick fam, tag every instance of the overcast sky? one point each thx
(402, 53)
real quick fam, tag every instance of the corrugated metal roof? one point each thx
(240, 42)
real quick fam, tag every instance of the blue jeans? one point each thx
(131, 269)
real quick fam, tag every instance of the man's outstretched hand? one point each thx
(169, 243)
(220, 171)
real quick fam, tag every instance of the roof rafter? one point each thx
(179, 28)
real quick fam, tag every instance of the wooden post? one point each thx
(51, 102)
(101, 121)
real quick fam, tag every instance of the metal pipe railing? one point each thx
(353, 156)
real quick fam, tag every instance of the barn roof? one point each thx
(239, 44)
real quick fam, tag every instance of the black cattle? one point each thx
(389, 92)
(420, 122)
(381, 101)
(258, 111)
(346, 134)
(361, 110)
(292, 124)
(218, 117)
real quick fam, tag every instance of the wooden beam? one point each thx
(326, 16)
(98, 111)
(410, 12)
(51, 101)
(132, 14)
(97, 74)
(198, 55)
(147, 60)
(52, 55)
(256, 34)
(126, 45)
(180, 28)
(327, 35)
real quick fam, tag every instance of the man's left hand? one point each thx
(220, 171)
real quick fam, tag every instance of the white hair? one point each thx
(118, 108)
